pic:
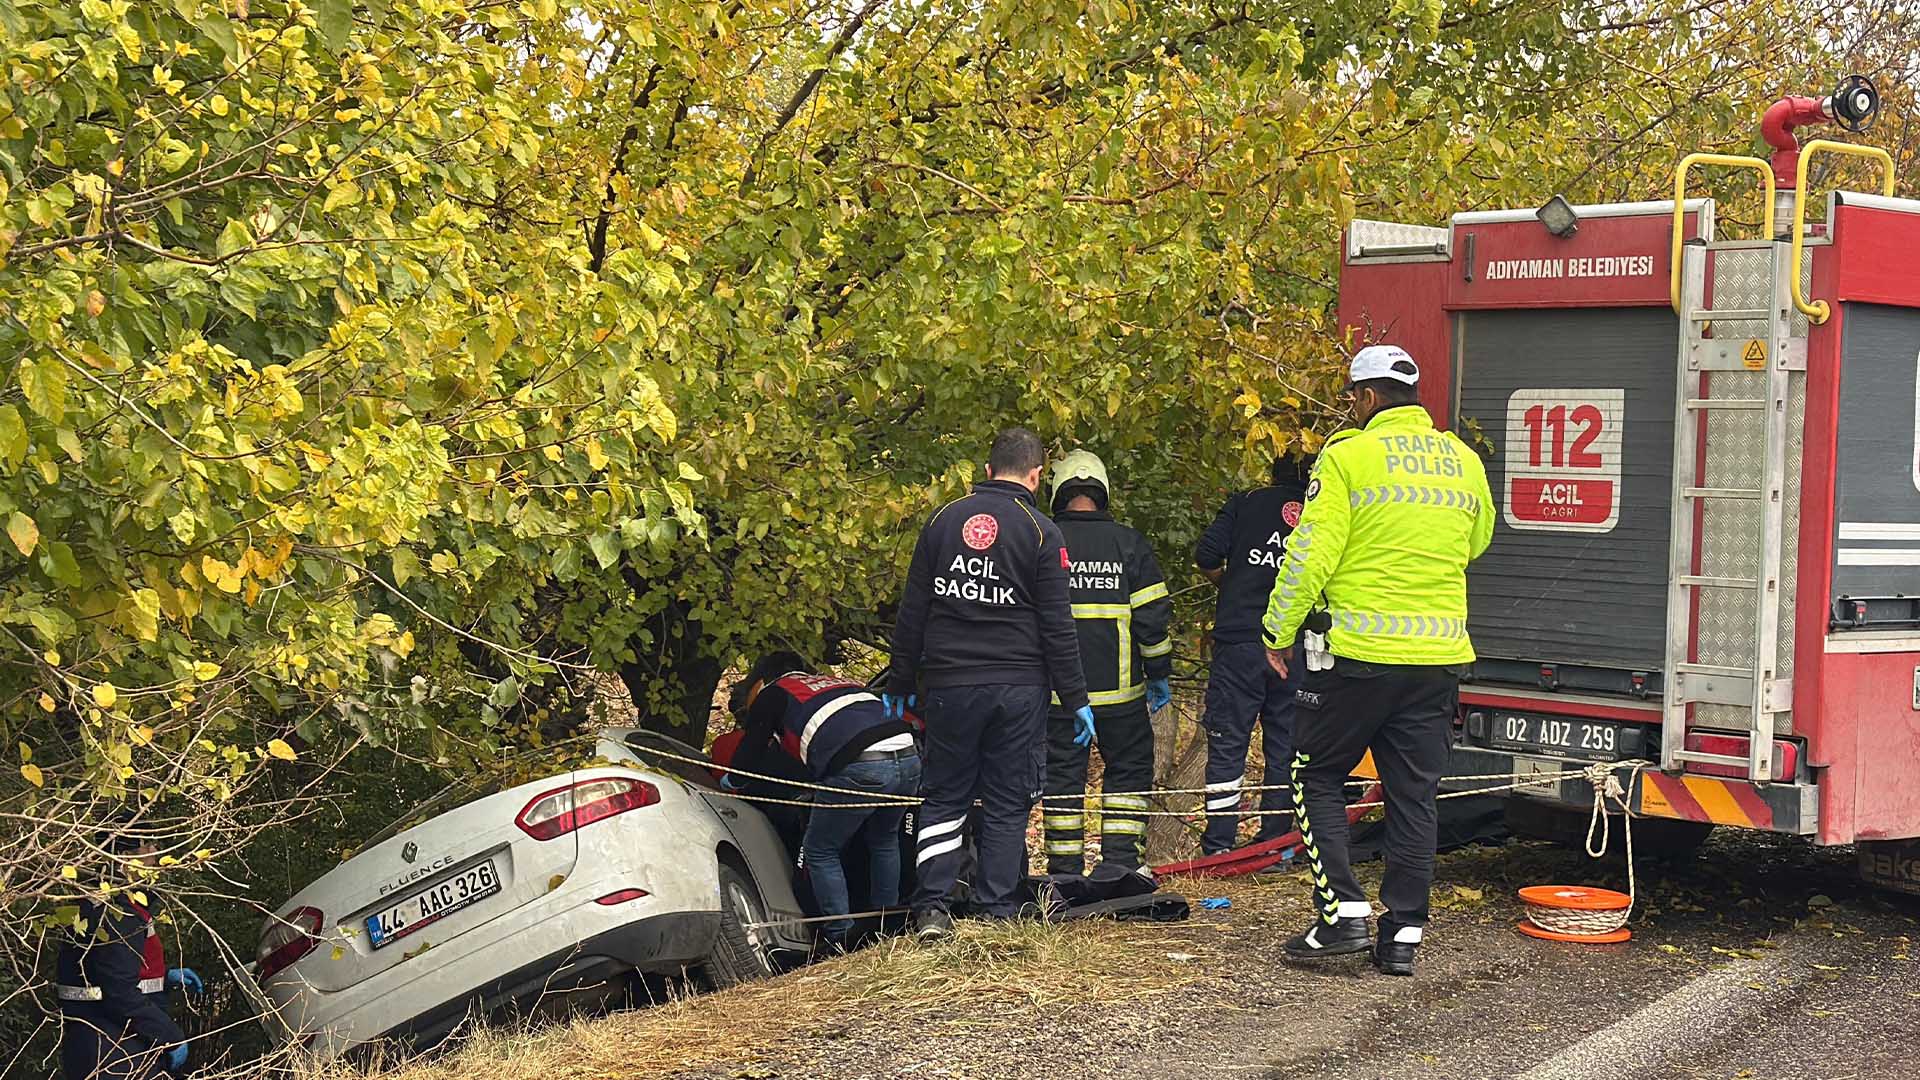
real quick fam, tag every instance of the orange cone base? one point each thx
(1611, 938)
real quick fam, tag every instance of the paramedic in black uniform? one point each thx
(985, 630)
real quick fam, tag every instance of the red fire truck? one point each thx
(1707, 457)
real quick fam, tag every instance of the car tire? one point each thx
(740, 953)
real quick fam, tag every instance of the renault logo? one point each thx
(409, 851)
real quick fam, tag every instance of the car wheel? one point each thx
(740, 951)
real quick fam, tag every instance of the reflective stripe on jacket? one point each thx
(1394, 514)
(1120, 606)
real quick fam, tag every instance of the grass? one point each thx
(1027, 965)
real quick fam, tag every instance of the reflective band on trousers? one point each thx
(1066, 847)
(1119, 826)
(79, 993)
(1064, 821)
(1448, 498)
(1120, 803)
(1424, 626)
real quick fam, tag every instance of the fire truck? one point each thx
(1706, 453)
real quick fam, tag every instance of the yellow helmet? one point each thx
(1080, 469)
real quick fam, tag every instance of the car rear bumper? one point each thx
(662, 943)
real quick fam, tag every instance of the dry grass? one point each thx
(1024, 965)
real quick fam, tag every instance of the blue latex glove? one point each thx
(894, 706)
(177, 1059)
(184, 978)
(1083, 717)
(1216, 903)
(727, 783)
(1159, 695)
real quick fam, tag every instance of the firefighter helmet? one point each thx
(1080, 472)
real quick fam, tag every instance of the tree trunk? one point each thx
(1179, 761)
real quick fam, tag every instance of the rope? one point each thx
(1606, 789)
(799, 921)
(871, 801)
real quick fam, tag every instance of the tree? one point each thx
(382, 375)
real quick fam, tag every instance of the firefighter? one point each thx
(111, 982)
(986, 626)
(1394, 513)
(1240, 552)
(847, 742)
(1121, 610)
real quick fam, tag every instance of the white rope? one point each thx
(870, 801)
(1606, 789)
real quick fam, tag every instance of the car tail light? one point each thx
(286, 939)
(621, 897)
(562, 810)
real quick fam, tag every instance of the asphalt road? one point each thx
(1758, 957)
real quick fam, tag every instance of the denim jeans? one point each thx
(829, 831)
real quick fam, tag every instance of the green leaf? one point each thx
(234, 238)
(13, 436)
(219, 29)
(58, 561)
(406, 565)
(606, 548)
(335, 21)
(44, 381)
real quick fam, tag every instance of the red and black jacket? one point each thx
(823, 721)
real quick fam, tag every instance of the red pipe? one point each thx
(1257, 857)
(1777, 128)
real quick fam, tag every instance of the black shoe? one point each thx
(932, 925)
(1341, 937)
(1284, 866)
(1393, 956)
(1066, 868)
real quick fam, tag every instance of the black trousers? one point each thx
(1124, 734)
(986, 743)
(88, 1052)
(1243, 691)
(1404, 715)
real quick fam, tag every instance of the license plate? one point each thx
(1552, 736)
(433, 903)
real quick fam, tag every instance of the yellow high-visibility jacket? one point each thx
(1394, 514)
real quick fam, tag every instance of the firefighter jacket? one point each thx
(986, 600)
(1120, 606)
(1394, 514)
(1246, 543)
(111, 975)
(822, 720)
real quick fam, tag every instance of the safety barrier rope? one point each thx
(871, 800)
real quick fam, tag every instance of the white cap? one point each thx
(1383, 362)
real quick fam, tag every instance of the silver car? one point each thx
(578, 879)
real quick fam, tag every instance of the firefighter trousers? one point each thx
(1124, 734)
(1243, 691)
(986, 743)
(1404, 715)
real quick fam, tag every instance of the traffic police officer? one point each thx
(1394, 513)
(1121, 610)
(1240, 552)
(986, 625)
(111, 982)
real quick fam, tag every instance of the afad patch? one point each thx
(1313, 488)
(980, 531)
(1290, 514)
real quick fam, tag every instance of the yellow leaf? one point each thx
(596, 456)
(23, 532)
(218, 103)
(70, 873)
(46, 702)
(32, 774)
(104, 695)
(403, 646)
(278, 748)
(141, 736)
(203, 854)
(51, 656)
(26, 752)
(205, 671)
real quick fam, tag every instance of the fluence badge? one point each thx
(980, 531)
(1290, 514)
(1313, 488)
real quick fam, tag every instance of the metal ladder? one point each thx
(1688, 683)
